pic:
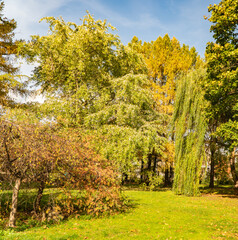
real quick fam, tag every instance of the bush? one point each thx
(79, 181)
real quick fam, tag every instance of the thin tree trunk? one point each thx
(171, 174)
(142, 171)
(212, 173)
(212, 170)
(37, 201)
(12, 218)
(148, 169)
(166, 177)
(233, 169)
(124, 178)
(155, 164)
(149, 162)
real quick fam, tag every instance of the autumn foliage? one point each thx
(145, 113)
(61, 159)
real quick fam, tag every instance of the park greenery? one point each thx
(148, 114)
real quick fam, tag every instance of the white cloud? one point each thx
(27, 14)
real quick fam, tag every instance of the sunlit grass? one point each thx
(156, 215)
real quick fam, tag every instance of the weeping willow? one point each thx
(189, 123)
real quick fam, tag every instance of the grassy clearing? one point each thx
(157, 215)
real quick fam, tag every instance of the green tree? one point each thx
(222, 66)
(84, 70)
(129, 124)
(190, 126)
(222, 82)
(77, 63)
(8, 47)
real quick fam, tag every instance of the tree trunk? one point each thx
(212, 173)
(124, 178)
(166, 177)
(37, 201)
(15, 192)
(212, 170)
(171, 175)
(142, 171)
(149, 162)
(155, 164)
(148, 169)
(233, 169)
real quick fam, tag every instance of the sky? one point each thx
(146, 19)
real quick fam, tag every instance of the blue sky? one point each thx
(146, 19)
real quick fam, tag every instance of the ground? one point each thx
(155, 215)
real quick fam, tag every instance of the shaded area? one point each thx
(223, 191)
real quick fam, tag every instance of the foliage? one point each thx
(222, 169)
(190, 128)
(166, 60)
(222, 82)
(8, 47)
(224, 19)
(93, 83)
(40, 154)
(229, 132)
(129, 123)
(77, 64)
(9, 83)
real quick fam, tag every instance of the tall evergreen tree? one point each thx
(8, 47)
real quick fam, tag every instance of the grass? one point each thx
(156, 215)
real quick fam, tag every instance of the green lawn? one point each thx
(156, 215)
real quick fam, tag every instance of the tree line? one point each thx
(153, 113)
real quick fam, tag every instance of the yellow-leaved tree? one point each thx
(166, 59)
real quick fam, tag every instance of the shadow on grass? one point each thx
(223, 191)
(25, 215)
(227, 191)
(25, 199)
(141, 187)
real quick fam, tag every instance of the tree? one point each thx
(221, 86)
(77, 63)
(82, 68)
(26, 154)
(45, 155)
(129, 123)
(8, 47)
(190, 127)
(166, 59)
